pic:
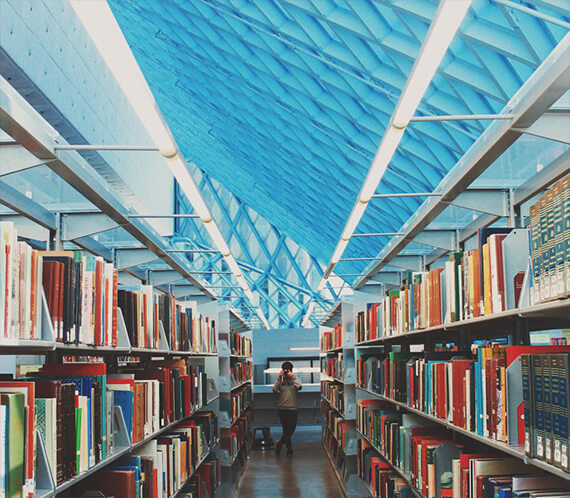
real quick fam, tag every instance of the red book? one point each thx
(441, 391)
(59, 297)
(460, 368)
(464, 460)
(74, 369)
(495, 242)
(115, 306)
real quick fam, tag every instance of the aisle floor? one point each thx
(308, 474)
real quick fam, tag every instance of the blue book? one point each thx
(504, 492)
(479, 392)
(126, 399)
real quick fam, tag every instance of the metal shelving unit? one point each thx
(343, 314)
(232, 468)
(515, 451)
(37, 140)
(534, 104)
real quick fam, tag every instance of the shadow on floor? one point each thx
(308, 474)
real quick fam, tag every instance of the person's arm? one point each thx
(297, 382)
(277, 385)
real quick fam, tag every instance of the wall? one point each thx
(276, 342)
(52, 61)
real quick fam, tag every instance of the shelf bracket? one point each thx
(15, 158)
(75, 226)
(493, 202)
(126, 258)
(442, 239)
(551, 125)
(162, 277)
(408, 262)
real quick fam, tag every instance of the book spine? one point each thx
(538, 395)
(566, 230)
(547, 407)
(564, 389)
(526, 369)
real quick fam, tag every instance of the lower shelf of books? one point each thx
(514, 451)
(404, 491)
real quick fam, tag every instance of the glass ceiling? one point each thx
(279, 107)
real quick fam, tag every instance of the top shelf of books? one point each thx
(71, 301)
(98, 220)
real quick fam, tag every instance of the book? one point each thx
(15, 474)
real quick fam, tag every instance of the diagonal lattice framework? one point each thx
(280, 273)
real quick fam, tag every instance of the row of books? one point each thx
(550, 243)
(341, 429)
(437, 465)
(144, 312)
(332, 340)
(379, 475)
(238, 437)
(484, 391)
(80, 291)
(333, 393)
(186, 330)
(241, 400)
(159, 469)
(333, 366)
(83, 297)
(474, 283)
(240, 344)
(342, 462)
(241, 371)
(20, 286)
(204, 482)
(73, 407)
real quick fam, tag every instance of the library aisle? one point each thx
(308, 474)
(221, 215)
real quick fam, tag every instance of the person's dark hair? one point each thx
(287, 365)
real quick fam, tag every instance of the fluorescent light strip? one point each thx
(105, 32)
(445, 24)
(315, 348)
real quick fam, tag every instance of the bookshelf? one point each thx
(45, 485)
(236, 397)
(338, 395)
(510, 328)
(81, 213)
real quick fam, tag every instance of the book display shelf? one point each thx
(188, 409)
(466, 360)
(126, 365)
(236, 398)
(338, 395)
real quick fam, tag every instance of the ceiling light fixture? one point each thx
(445, 24)
(100, 23)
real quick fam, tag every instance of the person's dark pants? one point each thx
(288, 420)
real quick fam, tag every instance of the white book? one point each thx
(450, 391)
(467, 389)
(3, 443)
(39, 296)
(51, 435)
(456, 475)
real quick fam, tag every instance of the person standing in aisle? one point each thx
(287, 385)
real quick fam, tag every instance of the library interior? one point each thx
(285, 248)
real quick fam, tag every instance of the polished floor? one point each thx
(308, 474)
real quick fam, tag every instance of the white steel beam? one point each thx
(22, 122)
(542, 89)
